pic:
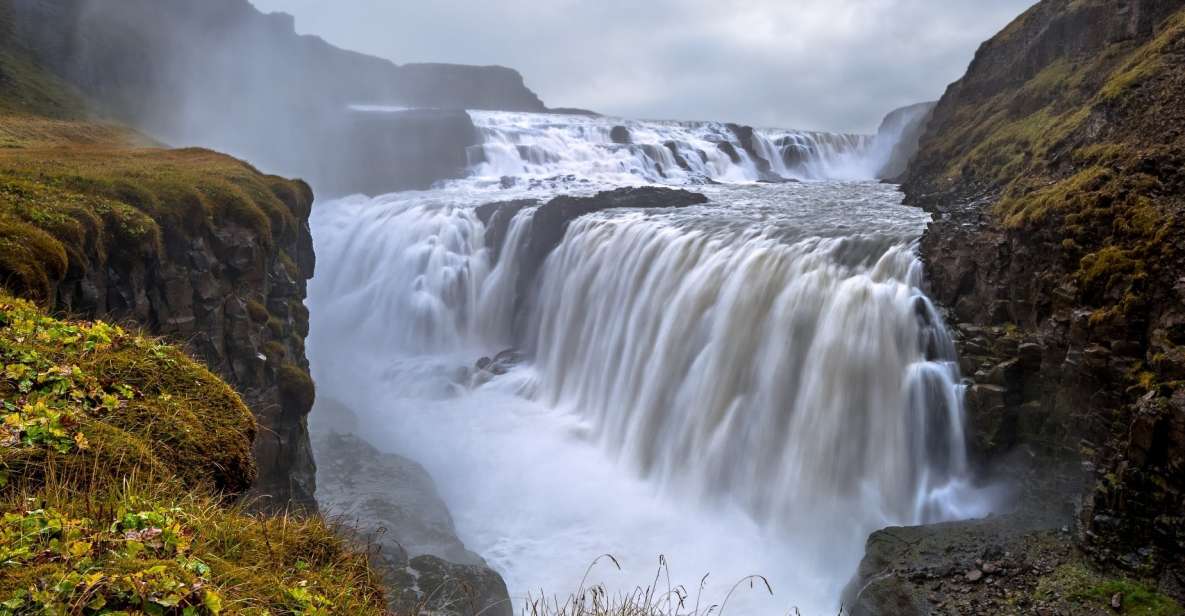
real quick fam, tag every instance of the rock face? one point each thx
(1056, 173)
(552, 220)
(393, 503)
(904, 128)
(236, 298)
(551, 223)
(745, 137)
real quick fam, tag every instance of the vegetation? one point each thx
(652, 600)
(102, 430)
(122, 460)
(1077, 150)
(1086, 591)
(94, 403)
(73, 194)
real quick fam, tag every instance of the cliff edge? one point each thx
(1055, 170)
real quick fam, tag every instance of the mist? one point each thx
(834, 65)
(222, 75)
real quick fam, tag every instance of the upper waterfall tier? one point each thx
(614, 151)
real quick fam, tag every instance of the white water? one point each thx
(537, 146)
(749, 386)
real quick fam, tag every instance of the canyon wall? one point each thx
(1055, 170)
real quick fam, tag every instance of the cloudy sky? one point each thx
(816, 64)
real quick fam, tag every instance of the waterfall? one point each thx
(527, 145)
(750, 385)
(796, 377)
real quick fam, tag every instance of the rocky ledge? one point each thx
(393, 504)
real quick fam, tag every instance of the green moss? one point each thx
(92, 404)
(147, 552)
(276, 327)
(31, 260)
(1078, 584)
(300, 317)
(257, 311)
(275, 352)
(296, 386)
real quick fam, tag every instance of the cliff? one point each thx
(97, 221)
(222, 75)
(1055, 170)
(119, 460)
(903, 128)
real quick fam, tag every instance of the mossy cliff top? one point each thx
(1072, 121)
(73, 189)
(101, 430)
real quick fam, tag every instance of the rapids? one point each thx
(748, 386)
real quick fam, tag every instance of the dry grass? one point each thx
(659, 598)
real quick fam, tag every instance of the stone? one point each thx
(620, 135)
(974, 575)
(393, 505)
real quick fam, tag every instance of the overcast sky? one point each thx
(812, 64)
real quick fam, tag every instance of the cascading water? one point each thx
(747, 386)
(522, 145)
(789, 376)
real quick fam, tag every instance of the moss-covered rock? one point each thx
(1056, 171)
(146, 552)
(91, 404)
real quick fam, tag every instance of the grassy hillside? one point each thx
(119, 461)
(122, 460)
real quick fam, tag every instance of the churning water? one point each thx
(748, 386)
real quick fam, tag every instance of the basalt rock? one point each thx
(497, 218)
(1055, 170)
(235, 299)
(621, 135)
(552, 219)
(393, 504)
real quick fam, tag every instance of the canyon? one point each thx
(959, 338)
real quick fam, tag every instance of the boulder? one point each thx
(620, 135)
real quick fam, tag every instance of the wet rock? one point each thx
(620, 135)
(487, 368)
(204, 289)
(429, 585)
(497, 217)
(394, 507)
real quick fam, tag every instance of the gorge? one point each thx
(510, 352)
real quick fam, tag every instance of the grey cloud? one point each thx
(816, 64)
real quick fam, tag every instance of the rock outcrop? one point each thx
(1055, 170)
(551, 222)
(393, 503)
(236, 299)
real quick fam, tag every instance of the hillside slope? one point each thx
(1056, 172)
